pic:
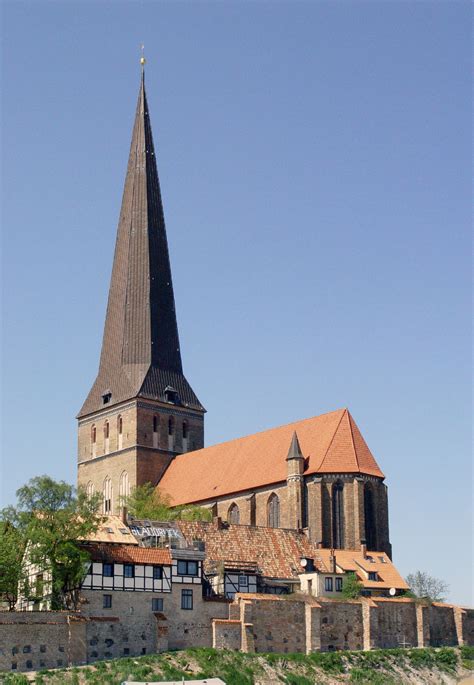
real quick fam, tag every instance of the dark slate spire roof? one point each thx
(140, 348)
(295, 450)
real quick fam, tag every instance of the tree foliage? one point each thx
(424, 586)
(351, 586)
(147, 502)
(50, 518)
(12, 548)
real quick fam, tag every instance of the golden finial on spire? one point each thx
(142, 58)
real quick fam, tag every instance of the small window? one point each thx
(155, 424)
(170, 425)
(107, 601)
(93, 434)
(106, 430)
(157, 604)
(187, 568)
(157, 572)
(185, 430)
(243, 581)
(120, 425)
(328, 584)
(186, 599)
(129, 571)
(338, 584)
(106, 397)
(372, 575)
(108, 570)
(382, 560)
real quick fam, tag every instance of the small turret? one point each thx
(295, 484)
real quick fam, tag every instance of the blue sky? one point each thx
(314, 160)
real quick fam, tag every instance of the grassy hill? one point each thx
(379, 667)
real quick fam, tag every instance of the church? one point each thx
(142, 421)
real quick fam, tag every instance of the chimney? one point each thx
(124, 515)
(363, 548)
(319, 545)
(332, 562)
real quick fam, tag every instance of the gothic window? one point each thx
(185, 430)
(107, 492)
(253, 510)
(93, 435)
(233, 515)
(273, 511)
(119, 425)
(369, 516)
(338, 515)
(90, 489)
(124, 486)
(171, 426)
(106, 437)
(156, 422)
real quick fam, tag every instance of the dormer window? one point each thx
(171, 395)
(106, 397)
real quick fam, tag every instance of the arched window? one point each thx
(156, 423)
(171, 433)
(93, 441)
(338, 515)
(273, 511)
(253, 510)
(106, 437)
(124, 486)
(233, 514)
(90, 489)
(119, 432)
(185, 430)
(108, 495)
(369, 516)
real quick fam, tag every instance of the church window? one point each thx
(170, 425)
(338, 515)
(156, 422)
(90, 489)
(253, 510)
(185, 430)
(369, 516)
(119, 425)
(93, 435)
(106, 437)
(273, 511)
(124, 486)
(107, 493)
(233, 515)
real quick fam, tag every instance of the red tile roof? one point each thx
(331, 443)
(274, 552)
(354, 560)
(128, 554)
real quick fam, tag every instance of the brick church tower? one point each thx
(141, 411)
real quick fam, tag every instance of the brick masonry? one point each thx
(304, 624)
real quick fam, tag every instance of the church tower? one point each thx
(141, 411)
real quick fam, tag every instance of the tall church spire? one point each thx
(140, 349)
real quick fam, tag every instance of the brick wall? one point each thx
(35, 640)
(300, 623)
(226, 634)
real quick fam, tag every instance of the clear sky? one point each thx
(315, 168)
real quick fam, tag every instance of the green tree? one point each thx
(52, 517)
(424, 586)
(147, 502)
(351, 586)
(12, 547)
